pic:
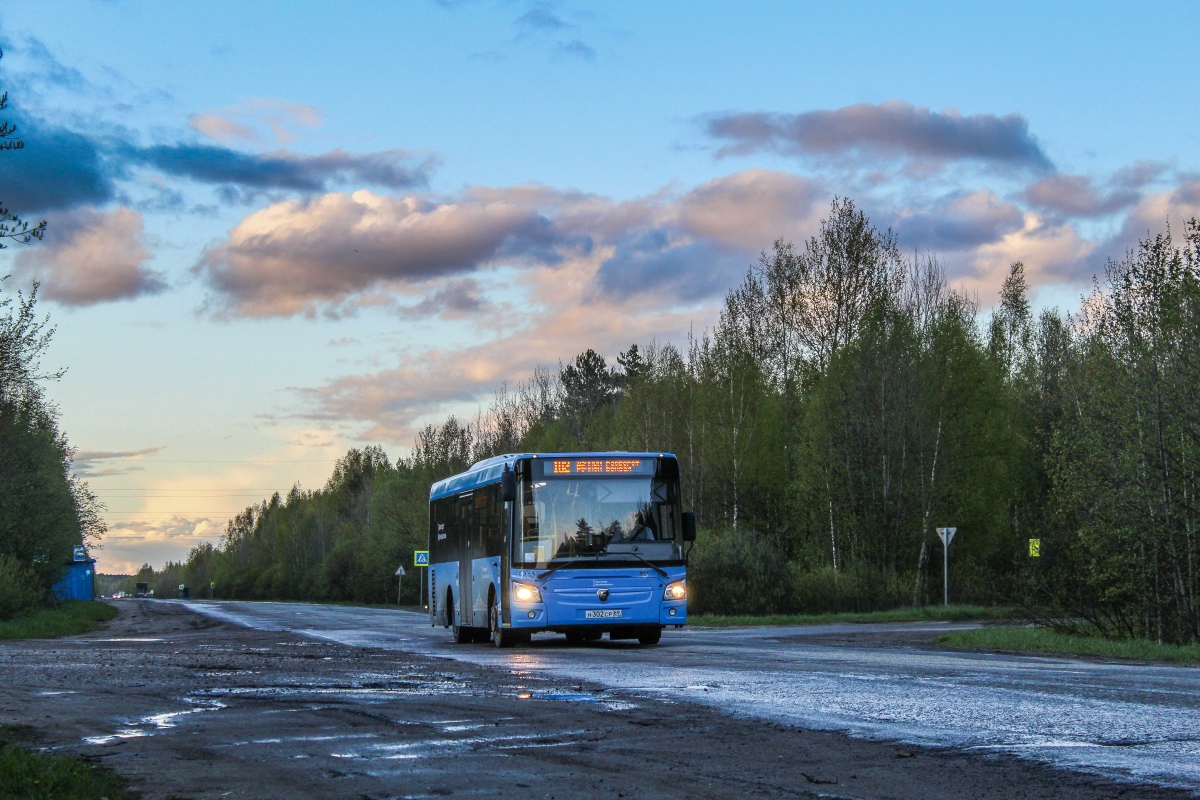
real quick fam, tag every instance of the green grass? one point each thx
(956, 613)
(33, 776)
(65, 619)
(1031, 639)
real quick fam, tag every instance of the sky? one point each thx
(281, 230)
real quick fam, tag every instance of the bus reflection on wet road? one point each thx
(1130, 720)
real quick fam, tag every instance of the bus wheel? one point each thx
(650, 635)
(500, 636)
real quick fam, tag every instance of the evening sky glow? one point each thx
(277, 231)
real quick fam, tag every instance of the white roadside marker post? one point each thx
(946, 535)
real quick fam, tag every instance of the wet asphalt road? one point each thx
(1127, 720)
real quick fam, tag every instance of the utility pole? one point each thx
(946, 535)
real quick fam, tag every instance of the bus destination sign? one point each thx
(598, 466)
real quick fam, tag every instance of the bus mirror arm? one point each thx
(508, 486)
(689, 526)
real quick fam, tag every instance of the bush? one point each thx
(20, 590)
(858, 589)
(745, 573)
(738, 572)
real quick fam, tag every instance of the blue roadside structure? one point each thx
(78, 582)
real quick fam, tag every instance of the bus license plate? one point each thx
(602, 613)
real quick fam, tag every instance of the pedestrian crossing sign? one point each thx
(1035, 548)
(420, 558)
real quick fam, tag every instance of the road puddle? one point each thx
(444, 746)
(603, 700)
(155, 723)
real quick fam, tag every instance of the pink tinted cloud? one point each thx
(91, 257)
(295, 255)
(391, 405)
(256, 121)
(887, 130)
(1078, 196)
(338, 250)
(753, 208)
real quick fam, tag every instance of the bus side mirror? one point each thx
(508, 486)
(689, 526)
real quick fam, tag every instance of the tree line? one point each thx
(45, 510)
(847, 403)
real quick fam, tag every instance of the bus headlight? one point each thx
(525, 593)
(676, 591)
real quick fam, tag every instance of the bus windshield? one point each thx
(573, 517)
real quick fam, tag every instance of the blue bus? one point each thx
(576, 543)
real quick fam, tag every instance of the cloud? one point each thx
(456, 299)
(293, 254)
(390, 404)
(888, 130)
(49, 71)
(301, 256)
(256, 121)
(57, 169)
(129, 544)
(576, 49)
(61, 169)
(1076, 196)
(103, 463)
(699, 244)
(222, 129)
(539, 19)
(1173, 207)
(753, 208)
(649, 262)
(393, 169)
(91, 257)
(1053, 252)
(958, 222)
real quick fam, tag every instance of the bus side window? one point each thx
(463, 520)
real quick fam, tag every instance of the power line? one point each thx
(222, 461)
(133, 497)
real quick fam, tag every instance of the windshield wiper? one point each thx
(557, 567)
(657, 569)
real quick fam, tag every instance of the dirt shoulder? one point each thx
(187, 707)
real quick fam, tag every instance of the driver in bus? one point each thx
(642, 531)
